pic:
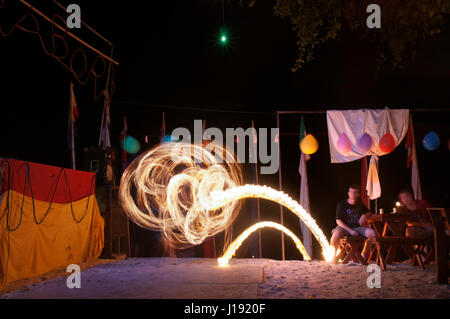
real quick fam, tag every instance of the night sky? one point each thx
(170, 62)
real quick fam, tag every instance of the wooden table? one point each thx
(391, 227)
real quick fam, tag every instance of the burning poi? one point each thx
(190, 194)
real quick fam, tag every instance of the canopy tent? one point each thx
(49, 219)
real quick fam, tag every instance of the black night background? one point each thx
(170, 61)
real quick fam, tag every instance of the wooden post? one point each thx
(108, 225)
(280, 183)
(257, 183)
(441, 248)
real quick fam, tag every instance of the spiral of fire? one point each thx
(189, 193)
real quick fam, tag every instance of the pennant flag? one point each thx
(123, 135)
(73, 116)
(105, 140)
(411, 161)
(304, 192)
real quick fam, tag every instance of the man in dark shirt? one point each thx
(351, 217)
(420, 225)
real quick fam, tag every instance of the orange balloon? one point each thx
(309, 144)
(387, 143)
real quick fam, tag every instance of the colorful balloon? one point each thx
(387, 143)
(365, 143)
(169, 138)
(343, 144)
(309, 144)
(431, 141)
(131, 145)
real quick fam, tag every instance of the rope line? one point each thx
(28, 182)
(64, 58)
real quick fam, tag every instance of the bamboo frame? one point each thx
(87, 26)
(68, 32)
(325, 111)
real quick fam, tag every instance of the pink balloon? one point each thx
(343, 144)
(365, 143)
(387, 143)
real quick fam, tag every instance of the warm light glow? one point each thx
(397, 204)
(234, 246)
(189, 194)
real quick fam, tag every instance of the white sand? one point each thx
(244, 278)
(315, 279)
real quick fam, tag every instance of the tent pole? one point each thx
(257, 200)
(280, 183)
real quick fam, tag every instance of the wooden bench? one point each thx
(440, 220)
(350, 249)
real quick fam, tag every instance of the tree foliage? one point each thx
(403, 23)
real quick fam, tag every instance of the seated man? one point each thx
(351, 215)
(420, 226)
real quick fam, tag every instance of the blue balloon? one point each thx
(169, 138)
(431, 141)
(131, 145)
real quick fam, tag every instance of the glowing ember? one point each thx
(190, 194)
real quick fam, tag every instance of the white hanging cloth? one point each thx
(375, 123)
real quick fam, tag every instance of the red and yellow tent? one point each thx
(49, 218)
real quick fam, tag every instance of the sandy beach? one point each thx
(200, 278)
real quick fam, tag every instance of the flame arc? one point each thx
(219, 198)
(234, 246)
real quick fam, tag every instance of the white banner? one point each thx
(354, 124)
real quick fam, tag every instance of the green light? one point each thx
(223, 38)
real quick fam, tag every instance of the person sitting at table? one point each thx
(420, 226)
(351, 215)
